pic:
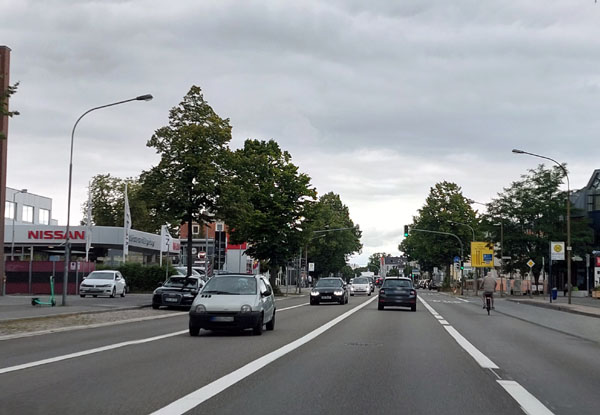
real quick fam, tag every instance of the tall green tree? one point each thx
(331, 236)
(444, 203)
(533, 213)
(108, 201)
(187, 182)
(266, 203)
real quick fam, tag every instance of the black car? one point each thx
(397, 292)
(177, 291)
(329, 290)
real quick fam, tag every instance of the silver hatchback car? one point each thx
(234, 302)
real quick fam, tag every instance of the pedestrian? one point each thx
(309, 280)
(566, 290)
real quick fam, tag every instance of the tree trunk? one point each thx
(273, 271)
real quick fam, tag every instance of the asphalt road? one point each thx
(334, 359)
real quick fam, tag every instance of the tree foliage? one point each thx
(374, 263)
(533, 213)
(4, 101)
(265, 203)
(444, 203)
(186, 184)
(329, 243)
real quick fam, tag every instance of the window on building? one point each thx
(9, 210)
(27, 214)
(219, 227)
(44, 216)
(195, 229)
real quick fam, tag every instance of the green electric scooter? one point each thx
(52, 302)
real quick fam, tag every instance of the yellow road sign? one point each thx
(482, 255)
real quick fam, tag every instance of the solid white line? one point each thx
(529, 403)
(89, 326)
(195, 398)
(88, 352)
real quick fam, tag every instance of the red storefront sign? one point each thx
(58, 234)
(598, 261)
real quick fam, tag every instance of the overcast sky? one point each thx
(376, 100)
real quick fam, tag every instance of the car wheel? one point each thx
(380, 307)
(369, 294)
(413, 307)
(123, 293)
(114, 292)
(271, 324)
(155, 306)
(351, 295)
(95, 296)
(194, 331)
(82, 295)
(259, 327)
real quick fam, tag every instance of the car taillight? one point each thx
(413, 292)
(381, 291)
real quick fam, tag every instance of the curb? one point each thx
(553, 307)
(68, 314)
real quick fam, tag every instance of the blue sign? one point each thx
(456, 259)
(487, 258)
(54, 258)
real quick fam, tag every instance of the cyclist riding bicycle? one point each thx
(488, 285)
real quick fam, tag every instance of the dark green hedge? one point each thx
(142, 278)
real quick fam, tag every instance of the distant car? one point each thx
(177, 291)
(105, 282)
(433, 285)
(360, 285)
(234, 302)
(372, 282)
(397, 291)
(328, 290)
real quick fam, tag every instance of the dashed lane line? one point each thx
(529, 403)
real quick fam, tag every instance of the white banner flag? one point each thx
(165, 239)
(88, 233)
(126, 225)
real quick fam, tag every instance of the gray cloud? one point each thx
(376, 100)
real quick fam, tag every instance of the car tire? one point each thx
(194, 331)
(351, 295)
(114, 293)
(413, 307)
(82, 295)
(123, 293)
(95, 296)
(380, 307)
(258, 329)
(155, 306)
(369, 294)
(270, 326)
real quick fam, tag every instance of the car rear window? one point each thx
(396, 283)
(329, 283)
(361, 281)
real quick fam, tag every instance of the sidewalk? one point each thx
(18, 307)
(586, 306)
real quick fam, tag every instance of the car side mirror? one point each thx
(160, 284)
(194, 292)
(266, 293)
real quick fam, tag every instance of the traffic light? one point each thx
(462, 265)
(405, 231)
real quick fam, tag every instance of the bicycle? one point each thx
(488, 302)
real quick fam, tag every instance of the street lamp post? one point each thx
(14, 216)
(501, 255)
(146, 97)
(473, 240)
(516, 151)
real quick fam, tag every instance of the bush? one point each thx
(141, 278)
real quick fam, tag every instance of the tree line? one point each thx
(526, 216)
(256, 190)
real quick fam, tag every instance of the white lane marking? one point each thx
(444, 322)
(88, 352)
(529, 403)
(289, 308)
(479, 357)
(464, 301)
(438, 317)
(195, 398)
(88, 326)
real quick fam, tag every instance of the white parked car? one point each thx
(233, 301)
(360, 285)
(104, 282)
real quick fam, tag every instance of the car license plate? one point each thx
(326, 297)
(171, 300)
(222, 318)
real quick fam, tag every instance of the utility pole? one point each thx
(4, 75)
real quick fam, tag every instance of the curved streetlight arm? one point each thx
(146, 97)
(464, 224)
(446, 233)
(517, 151)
